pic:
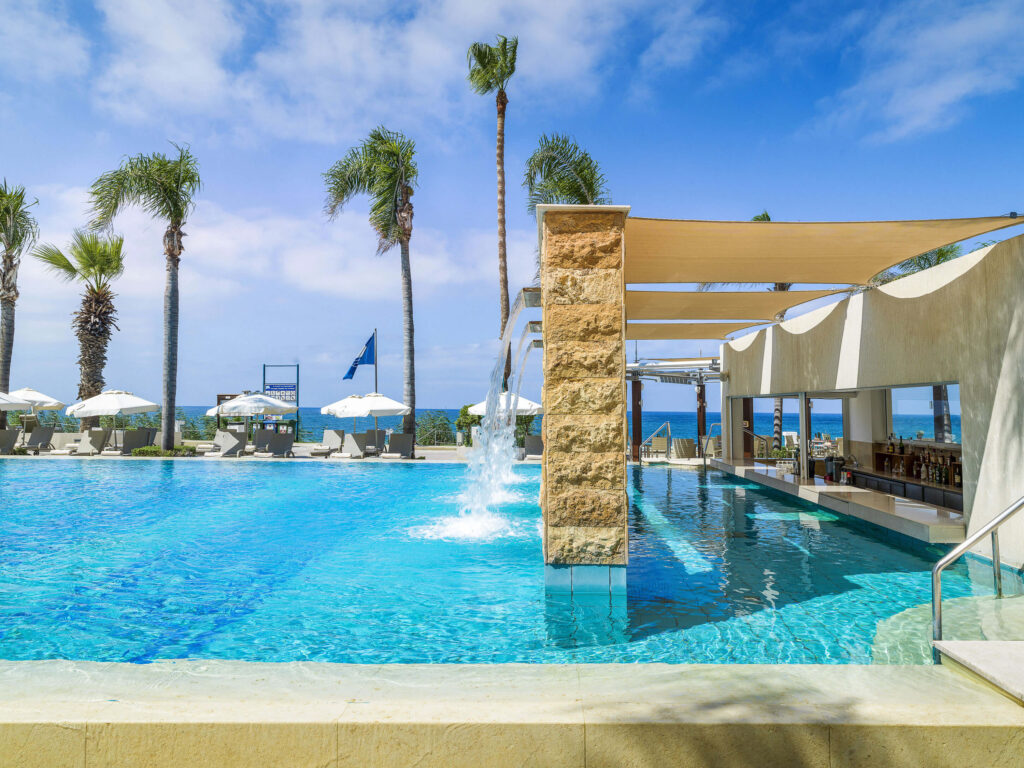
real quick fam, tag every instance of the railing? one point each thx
(707, 440)
(762, 438)
(654, 434)
(991, 527)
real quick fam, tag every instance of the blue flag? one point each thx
(368, 356)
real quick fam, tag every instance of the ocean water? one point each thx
(684, 424)
(303, 560)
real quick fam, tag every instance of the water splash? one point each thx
(490, 476)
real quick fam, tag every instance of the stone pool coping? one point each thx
(224, 713)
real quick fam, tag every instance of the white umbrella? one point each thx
(113, 402)
(362, 406)
(11, 403)
(37, 400)
(524, 407)
(252, 405)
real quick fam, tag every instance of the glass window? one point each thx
(927, 413)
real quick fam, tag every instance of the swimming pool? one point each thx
(288, 561)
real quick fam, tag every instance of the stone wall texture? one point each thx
(583, 493)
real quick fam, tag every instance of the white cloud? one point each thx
(38, 43)
(326, 71)
(684, 29)
(924, 61)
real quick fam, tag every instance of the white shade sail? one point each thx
(113, 402)
(10, 403)
(252, 405)
(524, 407)
(37, 400)
(363, 406)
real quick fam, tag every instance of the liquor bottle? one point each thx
(901, 445)
(956, 476)
(888, 465)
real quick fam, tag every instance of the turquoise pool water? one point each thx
(144, 560)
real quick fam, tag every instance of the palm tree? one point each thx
(164, 187)
(560, 171)
(95, 262)
(940, 392)
(18, 231)
(490, 69)
(383, 167)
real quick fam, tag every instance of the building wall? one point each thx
(583, 495)
(962, 321)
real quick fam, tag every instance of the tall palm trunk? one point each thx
(93, 324)
(172, 250)
(6, 346)
(940, 413)
(777, 424)
(501, 101)
(408, 344)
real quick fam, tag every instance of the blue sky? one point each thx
(811, 110)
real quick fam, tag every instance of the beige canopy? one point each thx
(714, 305)
(681, 251)
(656, 331)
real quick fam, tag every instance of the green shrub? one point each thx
(780, 453)
(19, 450)
(465, 423)
(434, 428)
(157, 452)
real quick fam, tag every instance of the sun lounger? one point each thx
(260, 441)
(227, 444)
(400, 446)
(130, 440)
(8, 437)
(533, 446)
(65, 443)
(332, 441)
(353, 447)
(91, 444)
(38, 440)
(684, 448)
(278, 447)
(375, 439)
(158, 438)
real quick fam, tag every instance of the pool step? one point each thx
(1000, 662)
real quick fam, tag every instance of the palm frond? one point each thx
(918, 263)
(383, 167)
(164, 187)
(560, 171)
(18, 228)
(95, 260)
(492, 66)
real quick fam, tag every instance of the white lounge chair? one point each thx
(226, 444)
(260, 441)
(130, 440)
(333, 440)
(354, 447)
(91, 444)
(400, 447)
(375, 441)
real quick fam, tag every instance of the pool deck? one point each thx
(925, 522)
(219, 713)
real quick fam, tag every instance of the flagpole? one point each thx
(375, 387)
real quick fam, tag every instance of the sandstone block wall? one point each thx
(583, 495)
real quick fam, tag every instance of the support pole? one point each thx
(804, 442)
(702, 409)
(748, 427)
(636, 406)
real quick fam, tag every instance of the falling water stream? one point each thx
(490, 480)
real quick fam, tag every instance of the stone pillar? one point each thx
(583, 493)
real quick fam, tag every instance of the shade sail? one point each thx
(663, 331)
(524, 407)
(113, 402)
(252, 405)
(851, 252)
(37, 400)
(714, 305)
(364, 406)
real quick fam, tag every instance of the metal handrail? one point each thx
(707, 441)
(654, 434)
(991, 527)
